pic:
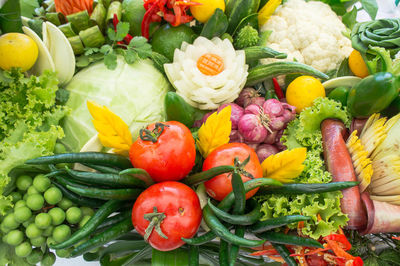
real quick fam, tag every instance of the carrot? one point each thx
(67, 7)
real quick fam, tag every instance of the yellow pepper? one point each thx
(267, 10)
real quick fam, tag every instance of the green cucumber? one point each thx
(260, 73)
(238, 10)
(255, 53)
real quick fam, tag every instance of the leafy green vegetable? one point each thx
(349, 19)
(28, 122)
(137, 48)
(10, 17)
(28, 7)
(371, 7)
(305, 132)
(134, 92)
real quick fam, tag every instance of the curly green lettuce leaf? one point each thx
(327, 205)
(305, 131)
(29, 121)
(306, 128)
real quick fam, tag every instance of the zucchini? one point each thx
(260, 73)
(238, 10)
(255, 53)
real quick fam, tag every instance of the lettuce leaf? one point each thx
(29, 121)
(305, 131)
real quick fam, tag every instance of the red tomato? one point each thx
(181, 207)
(170, 158)
(220, 186)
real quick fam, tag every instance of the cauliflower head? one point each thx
(310, 33)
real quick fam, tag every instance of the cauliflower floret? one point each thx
(310, 33)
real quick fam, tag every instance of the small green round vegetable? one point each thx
(24, 182)
(35, 256)
(32, 190)
(84, 220)
(73, 215)
(4, 229)
(53, 195)
(22, 214)
(48, 259)
(23, 250)
(43, 220)
(10, 221)
(87, 211)
(15, 237)
(50, 241)
(35, 202)
(32, 231)
(29, 221)
(65, 204)
(63, 253)
(57, 215)
(20, 203)
(59, 148)
(38, 241)
(41, 183)
(61, 233)
(16, 196)
(48, 231)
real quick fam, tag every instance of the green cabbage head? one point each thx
(134, 92)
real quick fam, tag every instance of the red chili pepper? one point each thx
(396, 237)
(174, 12)
(278, 89)
(340, 239)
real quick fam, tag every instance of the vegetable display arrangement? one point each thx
(240, 132)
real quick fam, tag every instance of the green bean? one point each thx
(271, 223)
(285, 254)
(103, 169)
(285, 239)
(108, 235)
(200, 240)
(100, 158)
(299, 188)
(101, 193)
(220, 230)
(193, 256)
(102, 213)
(201, 177)
(244, 219)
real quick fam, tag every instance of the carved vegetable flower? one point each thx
(208, 73)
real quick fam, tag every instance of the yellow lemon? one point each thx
(357, 64)
(206, 9)
(17, 50)
(302, 91)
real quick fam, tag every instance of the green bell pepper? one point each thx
(340, 94)
(178, 110)
(373, 94)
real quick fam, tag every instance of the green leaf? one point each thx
(130, 56)
(144, 51)
(397, 2)
(112, 35)
(122, 31)
(137, 42)
(344, 69)
(349, 19)
(10, 17)
(105, 49)
(391, 257)
(110, 60)
(371, 7)
(90, 51)
(216, 25)
(28, 7)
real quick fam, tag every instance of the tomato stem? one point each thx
(147, 135)
(155, 218)
(239, 167)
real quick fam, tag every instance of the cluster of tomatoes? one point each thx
(169, 210)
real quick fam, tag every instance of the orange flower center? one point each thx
(210, 64)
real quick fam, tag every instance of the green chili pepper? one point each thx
(178, 110)
(373, 94)
(340, 94)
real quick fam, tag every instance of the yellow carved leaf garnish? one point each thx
(113, 131)
(285, 166)
(215, 131)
